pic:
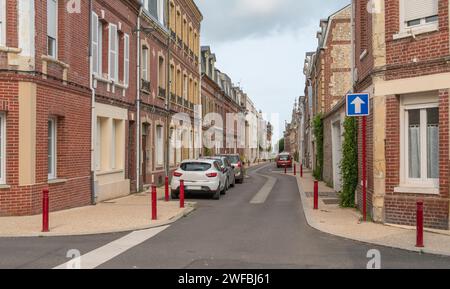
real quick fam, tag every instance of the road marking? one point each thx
(263, 194)
(103, 254)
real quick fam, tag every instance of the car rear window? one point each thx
(284, 158)
(195, 167)
(234, 159)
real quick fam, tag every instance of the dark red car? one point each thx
(284, 160)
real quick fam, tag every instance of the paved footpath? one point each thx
(234, 233)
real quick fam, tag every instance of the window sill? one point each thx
(10, 49)
(417, 190)
(112, 172)
(111, 82)
(56, 61)
(5, 187)
(413, 32)
(57, 181)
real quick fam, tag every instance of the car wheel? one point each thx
(216, 195)
(225, 188)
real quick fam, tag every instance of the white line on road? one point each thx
(103, 254)
(263, 194)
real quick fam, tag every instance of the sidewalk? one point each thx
(126, 214)
(346, 223)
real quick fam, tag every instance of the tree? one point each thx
(281, 145)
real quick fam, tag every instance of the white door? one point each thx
(337, 155)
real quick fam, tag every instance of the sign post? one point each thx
(358, 105)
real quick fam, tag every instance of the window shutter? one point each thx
(95, 41)
(51, 18)
(418, 9)
(113, 60)
(126, 66)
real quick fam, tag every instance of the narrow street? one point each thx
(229, 234)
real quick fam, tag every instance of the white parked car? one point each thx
(199, 176)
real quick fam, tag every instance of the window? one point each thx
(2, 148)
(97, 44)
(113, 145)
(126, 59)
(113, 53)
(185, 87)
(145, 63)
(419, 12)
(52, 148)
(2, 23)
(52, 27)
(161, 74)
(420, 145)
(98, 146)
(156, 9)
(159, 146)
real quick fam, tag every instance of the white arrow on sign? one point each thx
(358, 103)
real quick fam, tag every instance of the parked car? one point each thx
(284, 160)
(237, 164)
(227, 169)
(199, 176)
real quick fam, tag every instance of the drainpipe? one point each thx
(93, 114)
(138, 101)
(168, 91)
(353, 62)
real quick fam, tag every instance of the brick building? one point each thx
(328, 80)
(45, 106)
(220, 101)
(402, 55)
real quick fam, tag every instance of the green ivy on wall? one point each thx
(349, 164)
(318, 133)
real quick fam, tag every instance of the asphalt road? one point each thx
(232, 233)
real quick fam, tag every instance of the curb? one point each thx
(312, 223)
(190, 207)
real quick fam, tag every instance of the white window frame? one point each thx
(53, 133)
(126, 60)
(113, 144)
(406, 31)
(54, 37)
(97, 45)
(2, 23)
(145, 55)
(113, 54)
(159, 145)
(98, 146)
(2, 148)
(424, 185)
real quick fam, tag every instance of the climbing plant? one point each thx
(349, 164)
(318, 134)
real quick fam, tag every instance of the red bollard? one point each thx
(301, 170)
(316, 195)
(45, 211)
(295, 169)
(154, 204)
(167, 189)
(182, 194)
(285, 170)
(420, 243)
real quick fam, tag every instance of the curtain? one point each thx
(414, 152)
(433, 151)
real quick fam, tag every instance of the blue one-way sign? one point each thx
(358, 104)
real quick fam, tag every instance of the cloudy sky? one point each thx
(261, 44)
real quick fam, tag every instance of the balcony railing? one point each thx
(145, 85)
(173, 97)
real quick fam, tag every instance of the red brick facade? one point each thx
(407, 57)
